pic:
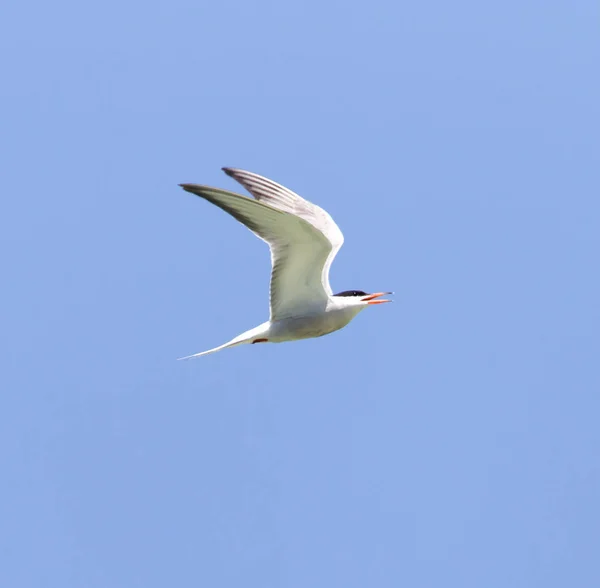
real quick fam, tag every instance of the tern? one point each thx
(304, 240)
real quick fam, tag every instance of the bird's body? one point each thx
(303, 239)
(312, 325)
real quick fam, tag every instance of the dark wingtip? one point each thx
(193, 188)
(229, 170)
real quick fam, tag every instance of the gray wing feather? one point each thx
(282, 198)
(300, 251)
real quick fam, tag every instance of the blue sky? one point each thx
(450, 439)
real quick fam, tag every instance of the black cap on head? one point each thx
(351, 293)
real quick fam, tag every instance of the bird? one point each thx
(304, 240)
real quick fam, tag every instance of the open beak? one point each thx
(370, 299)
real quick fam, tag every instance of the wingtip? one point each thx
(229, 170)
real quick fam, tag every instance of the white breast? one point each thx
(307, 327)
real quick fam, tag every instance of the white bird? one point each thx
(304, 240)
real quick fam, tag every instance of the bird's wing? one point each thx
(300, 251)
(280, 197)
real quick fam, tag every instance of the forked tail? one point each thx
(248, 337)
(224, 346)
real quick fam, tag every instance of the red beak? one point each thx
(370, 299)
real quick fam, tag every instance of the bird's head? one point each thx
(361, 299)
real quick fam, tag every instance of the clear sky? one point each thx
(449, 439)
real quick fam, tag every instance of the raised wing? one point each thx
(301, 252)
(282, 198)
